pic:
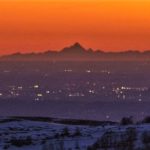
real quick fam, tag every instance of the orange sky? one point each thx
(39, 25)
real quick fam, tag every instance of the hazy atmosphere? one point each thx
(39, 25)
(74, 74)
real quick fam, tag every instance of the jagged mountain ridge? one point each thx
(77, 51)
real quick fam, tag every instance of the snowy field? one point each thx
(23, 134)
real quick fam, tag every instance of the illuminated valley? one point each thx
(104, 85)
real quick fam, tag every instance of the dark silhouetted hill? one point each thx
(77, 52)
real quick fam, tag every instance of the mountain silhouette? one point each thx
(74, 49)
(78, 52)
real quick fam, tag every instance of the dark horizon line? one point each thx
(81, 47)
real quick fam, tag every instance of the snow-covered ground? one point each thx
(35, 135)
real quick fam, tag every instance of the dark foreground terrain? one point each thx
(36, 133)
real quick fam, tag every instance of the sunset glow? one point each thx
(39, 25)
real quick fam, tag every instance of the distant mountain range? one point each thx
(78, 52)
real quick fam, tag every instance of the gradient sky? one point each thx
(39, 25)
